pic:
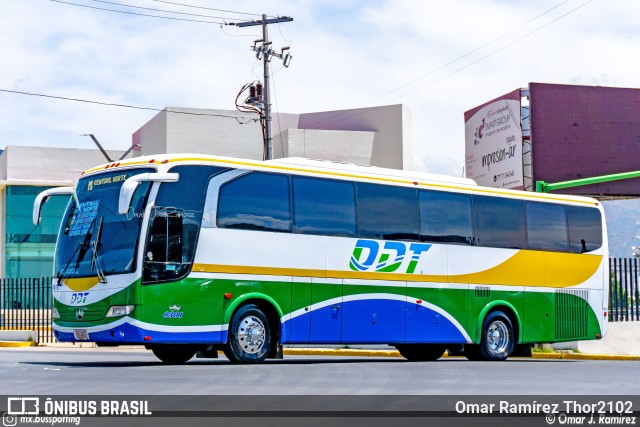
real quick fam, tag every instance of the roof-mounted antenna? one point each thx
(129, 150)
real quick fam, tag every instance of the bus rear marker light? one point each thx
(147, 338)
(418, 301)
(227, 296)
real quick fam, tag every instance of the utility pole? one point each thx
(265, 52)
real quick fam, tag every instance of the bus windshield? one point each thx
(94, 239)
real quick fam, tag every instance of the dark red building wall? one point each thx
(585, 131)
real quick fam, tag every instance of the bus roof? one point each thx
(371, 170)
(340, 171)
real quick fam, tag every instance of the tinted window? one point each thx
(386, 212)
(445, 217)
(96, 223)
(585, 229)
(256, 201)
(323, 206)
(175, 223)
(499, 222)
(546, 227)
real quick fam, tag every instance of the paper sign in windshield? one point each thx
(83, 218)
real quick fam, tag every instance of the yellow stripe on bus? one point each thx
(525, 268)
(81, 284)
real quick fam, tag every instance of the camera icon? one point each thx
(9, 420)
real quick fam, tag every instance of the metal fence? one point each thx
(624, 295)
(25, 304)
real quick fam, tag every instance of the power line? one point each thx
(237, 35)
(136, 107)
(284, 38)
(496, 50)
(364, 110)
(139, 14)
(207, 8)
(164, 10)
(453, 61)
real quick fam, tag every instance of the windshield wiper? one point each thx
(96, 247)
(81, 250)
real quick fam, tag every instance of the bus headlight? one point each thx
(55, 314)
(120, 310)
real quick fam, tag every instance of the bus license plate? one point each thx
(81, 334)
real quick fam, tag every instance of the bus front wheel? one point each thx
(249, 336)
(174, 354)
(497, 340)
(421, 352)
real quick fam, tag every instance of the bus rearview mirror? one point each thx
(129, 187)
(43, 197)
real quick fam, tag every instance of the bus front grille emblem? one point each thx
(80, 313)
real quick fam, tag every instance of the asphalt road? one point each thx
(115, 371)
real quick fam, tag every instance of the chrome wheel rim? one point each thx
(251, 333)
(497, 338)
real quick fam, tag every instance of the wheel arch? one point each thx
(508, 309)
(267, 304)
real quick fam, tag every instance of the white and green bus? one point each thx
(193, 254)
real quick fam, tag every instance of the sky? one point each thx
(440, 58)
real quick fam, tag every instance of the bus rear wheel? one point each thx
(174, 354)
(421, 352)
(497, 340)
(249, 336)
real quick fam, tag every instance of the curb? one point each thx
(582, 356)
(17, 344)
(395, 353)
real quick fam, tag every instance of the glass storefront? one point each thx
(29, 248)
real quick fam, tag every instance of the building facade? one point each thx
(26, 251)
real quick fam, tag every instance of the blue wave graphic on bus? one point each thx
(388, 259)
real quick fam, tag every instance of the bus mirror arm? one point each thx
(129, 187)
(43, 197)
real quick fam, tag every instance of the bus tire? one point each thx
(174, 354)
(421, 352)
(498, 339)
(249, 336)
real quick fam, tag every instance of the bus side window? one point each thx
(163, 258)
(445, 217)
(324, 206)
(255, 201)
(546, 227)
(387, 212)
(500, 222)
(585, 229)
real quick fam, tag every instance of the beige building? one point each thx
(377, 136)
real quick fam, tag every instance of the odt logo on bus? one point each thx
(368, 255)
